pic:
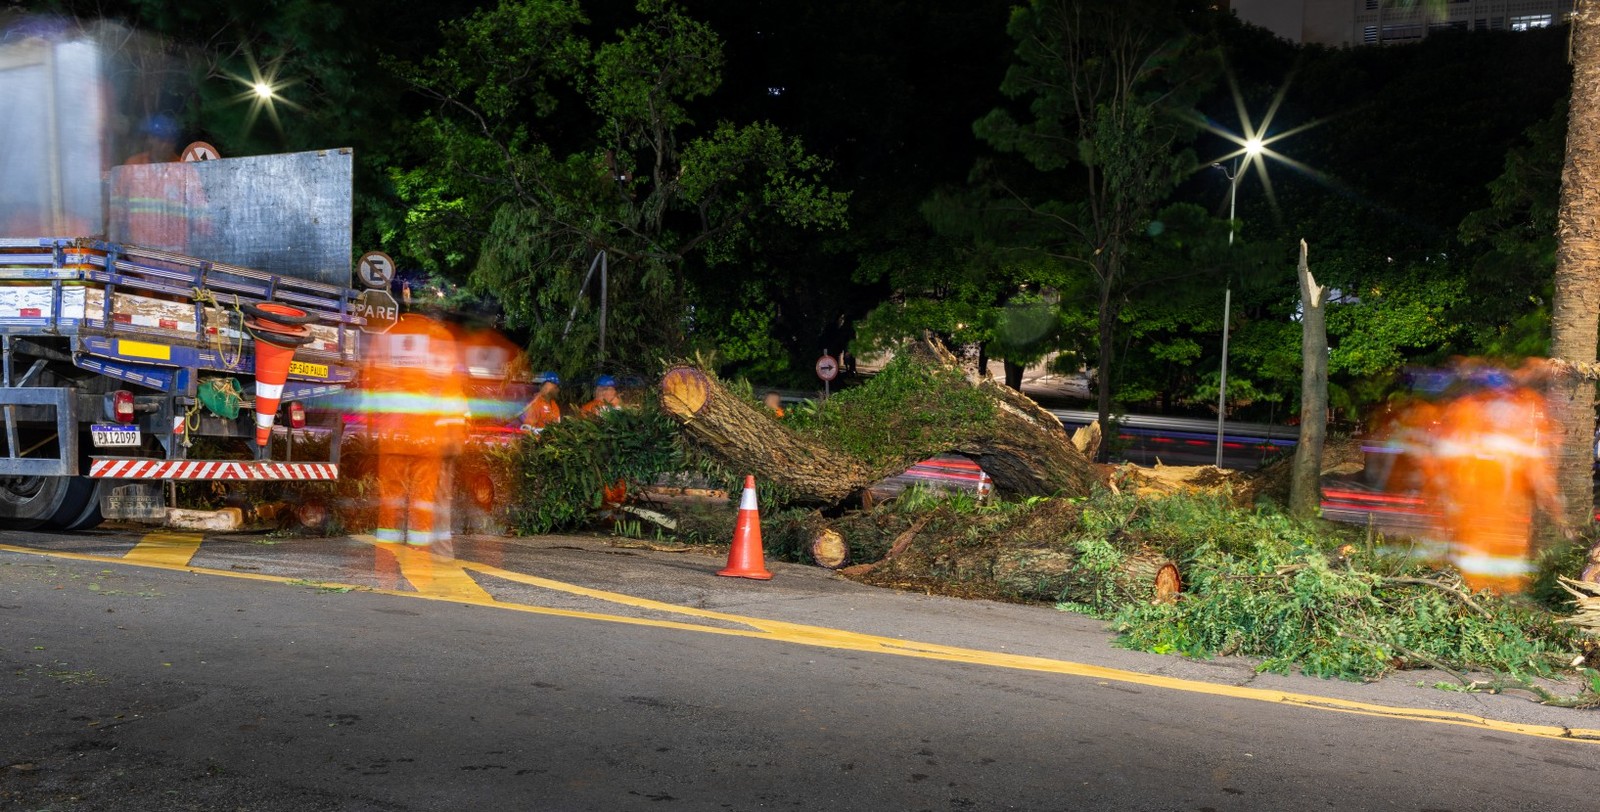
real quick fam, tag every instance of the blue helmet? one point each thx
(161, 126)
(548, 377)
(605, 380)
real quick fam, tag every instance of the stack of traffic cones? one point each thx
(745, 558)
(278, 330)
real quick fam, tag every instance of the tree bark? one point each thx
(1576, 306)
(751, 441)
(1102, 382)
(1023, 448)
(1014, 374)
(1305, 484)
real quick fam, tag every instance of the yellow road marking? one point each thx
(823, 637)
(174, 549)
(432, 575)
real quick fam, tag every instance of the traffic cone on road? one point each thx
(275, 346)
(745, 559)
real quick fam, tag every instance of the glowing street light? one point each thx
(263, 89)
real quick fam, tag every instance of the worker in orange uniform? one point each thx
(774, 402)
(1492, 461)
(543, 409)
(607, 400)
(605, 397)
(417, 412)
(158, 201)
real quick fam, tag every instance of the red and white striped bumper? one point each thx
(115, 468)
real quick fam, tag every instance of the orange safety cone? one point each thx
(275, 346)
(745, 558)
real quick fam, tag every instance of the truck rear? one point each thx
(125, 289)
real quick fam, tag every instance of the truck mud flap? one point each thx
(39, 405)
(134, 502)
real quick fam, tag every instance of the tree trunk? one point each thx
(1305, 484)
(752, 442)
(1014, 374)
(1573, 318)
(1102, 384)
(1023, 448)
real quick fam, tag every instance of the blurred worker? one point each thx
(774, 402)
(1491, 468)
(543, 409)
(417, 410)
(156, 199)
(605, 397)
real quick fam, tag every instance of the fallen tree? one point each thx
(923, 404)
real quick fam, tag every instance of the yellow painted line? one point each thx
(823, 637)
(173, 549)
(432, 575)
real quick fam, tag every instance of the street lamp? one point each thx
(1252, 148)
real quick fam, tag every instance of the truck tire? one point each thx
(87, 515)
(27, 502)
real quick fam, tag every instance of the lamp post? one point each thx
(1252, 148)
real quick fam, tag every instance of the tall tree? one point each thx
(1575, 311)
(545, 148)
(1106, 86)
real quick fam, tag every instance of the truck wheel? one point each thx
(87, 516)
(27, 502)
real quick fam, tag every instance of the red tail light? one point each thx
(122, 406)
(297, 415)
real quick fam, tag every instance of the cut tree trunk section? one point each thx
(1023, 448)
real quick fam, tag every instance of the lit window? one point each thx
(1527, 21)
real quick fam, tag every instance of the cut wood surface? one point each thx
(829, 550)
(1023, 448)
(750, 441)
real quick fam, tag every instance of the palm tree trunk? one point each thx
(1576, 308)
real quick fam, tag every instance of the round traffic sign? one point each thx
(200, 151)
(380, 310)
(375, 269)
(827, 368)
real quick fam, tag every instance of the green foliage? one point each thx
(524, 187)
(1261, 584)
(562, 472)
(907, 407)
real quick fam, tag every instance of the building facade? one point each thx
(1344, 23)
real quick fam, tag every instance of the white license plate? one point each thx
(112, 436)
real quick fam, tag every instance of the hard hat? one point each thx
(605, 380)
(548, 377)
(161, 126)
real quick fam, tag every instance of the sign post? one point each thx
(827, 370)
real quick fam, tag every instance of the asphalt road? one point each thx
(247, 686)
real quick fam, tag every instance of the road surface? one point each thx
(157, 672)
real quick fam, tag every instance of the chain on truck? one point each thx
(125, 346)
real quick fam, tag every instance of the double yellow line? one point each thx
(444, 579)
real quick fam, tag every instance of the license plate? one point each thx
(113, 436)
